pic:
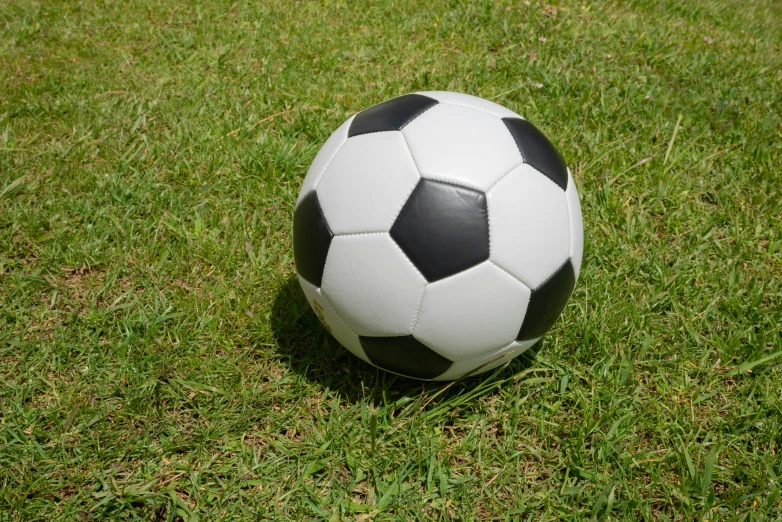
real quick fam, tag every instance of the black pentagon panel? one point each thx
(537, 150)
(547, 302)
(405, 355)
(443, 228)
(390, 115)
(311, 239)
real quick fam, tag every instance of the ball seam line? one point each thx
(426, 281)
(410, 151)
(404, 200)
(526, 285)
(548, 178)
(555, 272)
(451, 182)
(488, 210)
(418, 310)
(348, 234)
(488, 222)
(433, 349)
(474, 108)
(323, 215)
(420, 112)
(508, 172)
(372, 132)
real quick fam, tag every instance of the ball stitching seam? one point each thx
(418, 310)
(488, 211)
(557, 271)
(420, 112)
(492, 261)
(348, 234)
(473, 108)
(404, 200)
(451, 182)
(517, 165)
(426, 281)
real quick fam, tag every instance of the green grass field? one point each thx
(158, 362)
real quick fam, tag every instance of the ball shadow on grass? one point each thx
(310, 351)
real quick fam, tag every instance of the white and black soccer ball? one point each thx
(438, 234)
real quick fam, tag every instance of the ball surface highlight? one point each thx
(438, 234)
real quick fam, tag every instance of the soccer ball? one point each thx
(437, 235)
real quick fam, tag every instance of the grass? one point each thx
(159, 363)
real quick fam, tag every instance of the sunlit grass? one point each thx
(158, 361)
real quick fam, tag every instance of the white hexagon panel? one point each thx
(370, 283)
(461, 145)
(367, 182)
(529, 223)
(472, 313)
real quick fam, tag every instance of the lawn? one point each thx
(158, 361)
